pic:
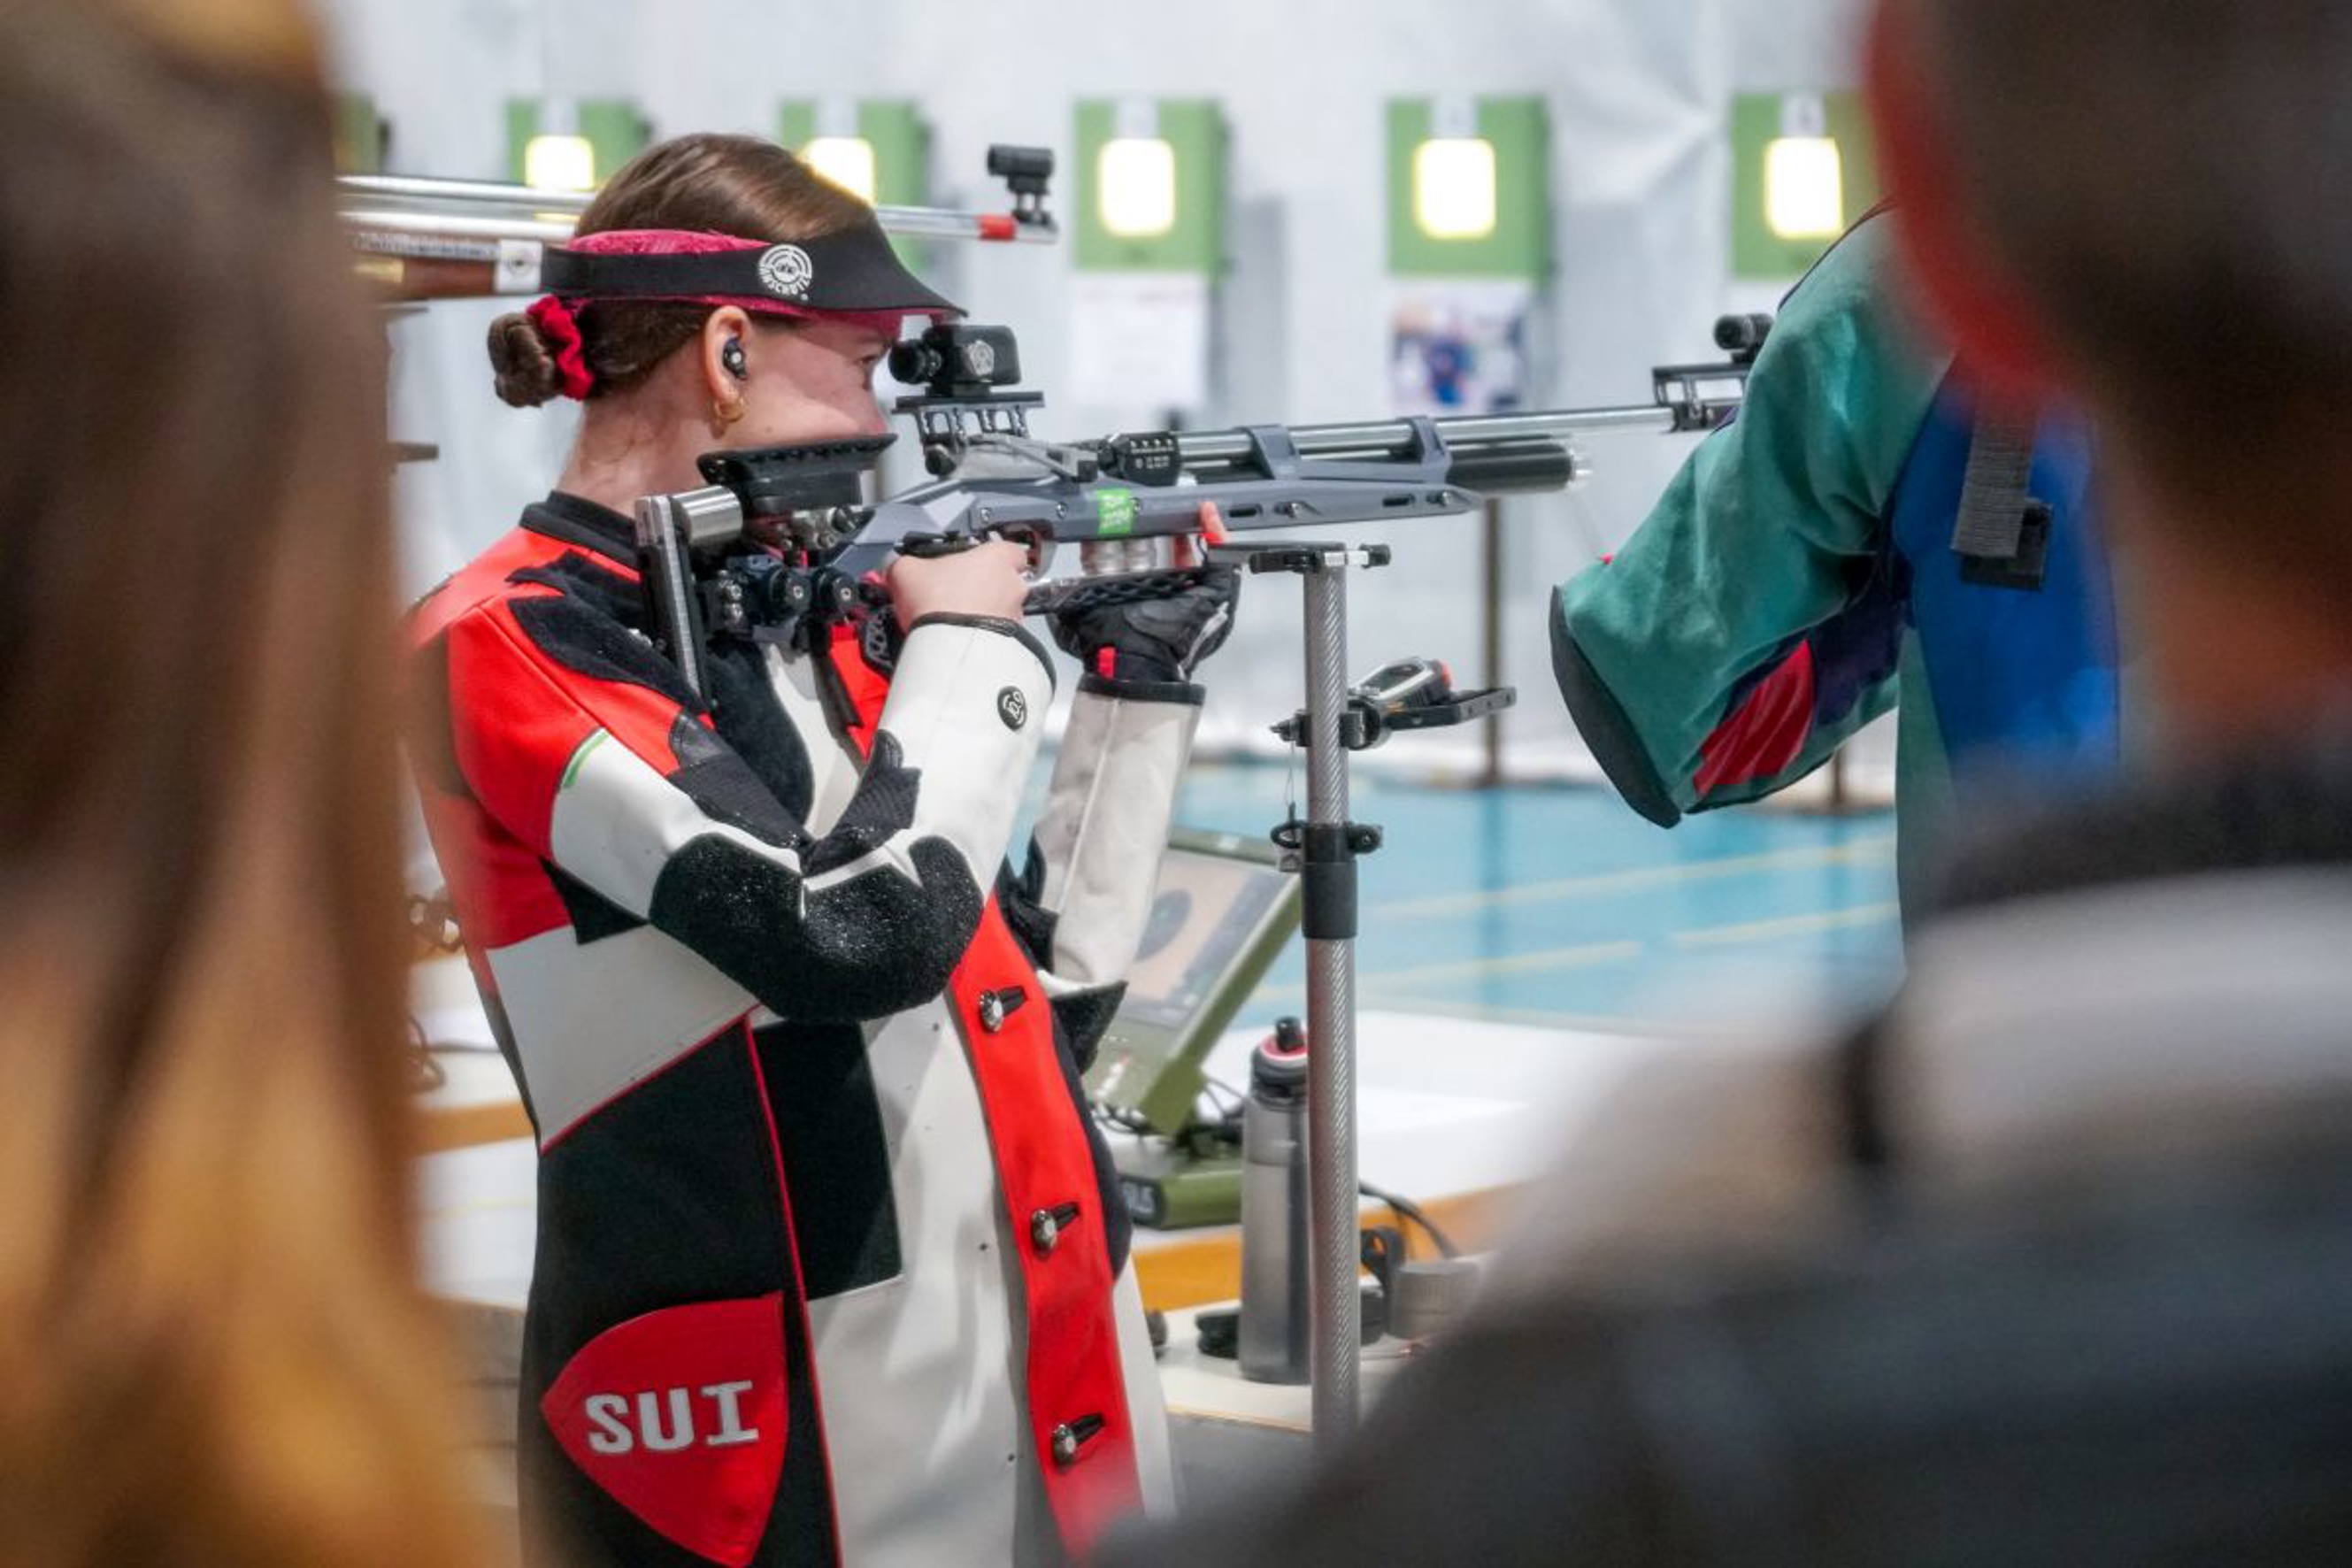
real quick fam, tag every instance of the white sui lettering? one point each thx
(681, 1417)
(608, 1414)
(731, 1429)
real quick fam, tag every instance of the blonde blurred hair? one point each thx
(212, 1347)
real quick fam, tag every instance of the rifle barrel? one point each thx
(483, 210)
(464, 192)
(481, 228)
(1208, 448)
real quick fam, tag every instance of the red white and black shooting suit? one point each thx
(831, 1262)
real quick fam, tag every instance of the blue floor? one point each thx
(1558, 905)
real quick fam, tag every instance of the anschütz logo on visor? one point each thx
(786, 272)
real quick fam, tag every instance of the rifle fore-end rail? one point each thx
(1395, 437)
(1115, 494)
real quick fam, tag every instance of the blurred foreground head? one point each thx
(2137, 206)
(210, 1346)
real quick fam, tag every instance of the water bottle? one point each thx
(1274, 1342)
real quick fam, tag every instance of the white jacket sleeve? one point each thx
(1106, 821)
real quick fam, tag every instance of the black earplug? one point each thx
(731, 356)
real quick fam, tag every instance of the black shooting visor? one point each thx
(854, 270)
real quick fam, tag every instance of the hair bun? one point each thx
(524, 362)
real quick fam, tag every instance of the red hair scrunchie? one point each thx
(552, 317)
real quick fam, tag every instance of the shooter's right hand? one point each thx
(985, 580)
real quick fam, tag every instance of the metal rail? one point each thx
(487, 211)
(1395, 436)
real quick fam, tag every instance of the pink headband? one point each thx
(558, 318)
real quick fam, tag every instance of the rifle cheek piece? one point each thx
(800, 498)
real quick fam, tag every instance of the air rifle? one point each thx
(419, 238)
(780, 541)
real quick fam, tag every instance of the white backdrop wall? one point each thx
(1638, 92)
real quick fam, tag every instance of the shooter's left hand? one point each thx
(1160, 641)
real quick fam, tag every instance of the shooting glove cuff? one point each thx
(1184, 691)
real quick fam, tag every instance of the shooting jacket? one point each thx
(1798, 577)
(830, 1264)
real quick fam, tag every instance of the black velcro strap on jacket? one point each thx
(2001, 533)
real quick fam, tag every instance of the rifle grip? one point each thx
(927, 546)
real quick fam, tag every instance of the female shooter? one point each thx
(831, 1264)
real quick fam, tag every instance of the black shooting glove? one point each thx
(1153, 642)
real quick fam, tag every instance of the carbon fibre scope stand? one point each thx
(1324, 849)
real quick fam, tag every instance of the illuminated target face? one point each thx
(786, 272)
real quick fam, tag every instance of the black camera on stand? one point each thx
(954, 360)
(1027, 172)
(961, 370)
